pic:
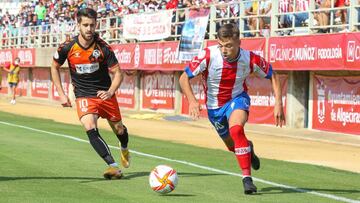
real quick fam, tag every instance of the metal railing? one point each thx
(110, 29)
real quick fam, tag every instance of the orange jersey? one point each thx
(108, 109)
(89, 67)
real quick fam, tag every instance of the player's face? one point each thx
(87, 28)
(229, 47)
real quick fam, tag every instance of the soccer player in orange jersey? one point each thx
(90, 60)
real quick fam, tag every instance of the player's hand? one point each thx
(65, 101)
(279, 115)
(194, 110)
(104, 95)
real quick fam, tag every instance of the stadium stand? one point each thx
(47, 23)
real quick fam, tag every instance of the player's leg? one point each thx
(14, 92)
(121, 133)
(87, 112)
(109, 109)
(237, 114)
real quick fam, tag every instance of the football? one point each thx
(163, 179)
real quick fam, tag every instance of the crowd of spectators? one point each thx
(57, 12)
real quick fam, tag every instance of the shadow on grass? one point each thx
(83, 179)
(280, 190)
(132, 175)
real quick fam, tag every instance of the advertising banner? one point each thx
(336, 104)
(27, 56)
(127, 55)
(193, 33)
(126, 93)
(313, 52)
(65, 81)
(199, 92)
(148, 26)
(159, 56)
(41, 83)
(158, 90)
(263, 99)
(23, 82)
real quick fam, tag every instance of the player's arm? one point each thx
(116, 81)
(194, 106)
(278, 108)
(55, 75)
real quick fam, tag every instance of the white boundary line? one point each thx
(333, 197)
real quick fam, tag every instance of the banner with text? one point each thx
(199, 92)
(148, 26)
(126, 93)
(158, 90)
(336, 105)
(127, 55)
(27, 56)
(313, 52)
(41, 83)
(263, 99)
(3, 81)
(65, 81)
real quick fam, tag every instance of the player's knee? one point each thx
(122, 130)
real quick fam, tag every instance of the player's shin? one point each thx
(100, 146)
(123, 138)
(242, 149)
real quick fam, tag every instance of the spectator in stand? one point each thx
(322, 17)
(300, 18)
(284, 7)
(40, 12)
(342, 13)
(250, 22)
(265, 9)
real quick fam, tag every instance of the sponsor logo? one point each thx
(321, 101)
(137, 56)
(77, 54)
(95, 54)
(242, 150)
(272, 52)
(218, 126)
(86, 68)
(351, 51)
(56, 55)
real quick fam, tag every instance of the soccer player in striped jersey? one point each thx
(224, 69)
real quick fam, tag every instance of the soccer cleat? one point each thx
(125, 158)
(255, 161)
(112, 173)
(249, 186)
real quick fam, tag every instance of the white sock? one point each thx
(114, 165)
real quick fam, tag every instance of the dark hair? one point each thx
(86, 12)
(228, 31)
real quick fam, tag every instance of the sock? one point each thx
(124, 138)
(231, 149)
(242, 149)
(100, 145)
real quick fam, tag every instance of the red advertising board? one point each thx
(160, 56)
(127, 55)
(126, 93)
(198, 89)
(6, 56)
(65, 81)
(148, 56)
(4, 84)
(352, 58)
(23, 82)
(41, 83)
(336, 105)
(27, 56)
(263, 99)
(313, 52)
(257, 45)
(158, 90)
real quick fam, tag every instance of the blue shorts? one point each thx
(219, 117)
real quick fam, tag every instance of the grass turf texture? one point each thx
(38, 167)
